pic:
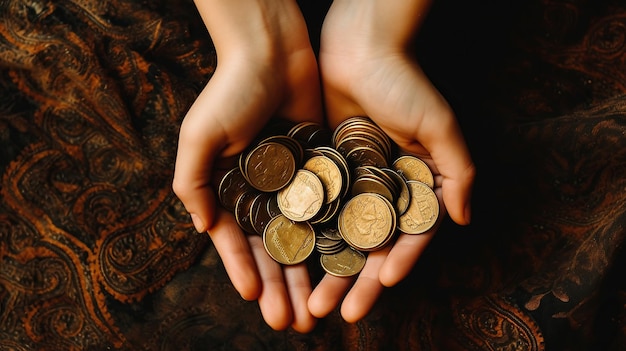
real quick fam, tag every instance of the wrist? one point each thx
(259, 29)
(375, 24)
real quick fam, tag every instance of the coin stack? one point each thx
(336, 193)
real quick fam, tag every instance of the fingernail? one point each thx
(197, 222)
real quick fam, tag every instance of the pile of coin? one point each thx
(339, 194)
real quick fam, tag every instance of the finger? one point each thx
(234, 249)
(402, 257)
(299, 288)
(328, 294)
(200, 139)
(222, 121)
(274, 298)
(437, 135)
(366, 290)
(454, 163)
(434, 130)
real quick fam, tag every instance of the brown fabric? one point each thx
(96, 253)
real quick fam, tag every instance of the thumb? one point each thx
(452, 160)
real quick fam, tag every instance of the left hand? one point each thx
(366, 70)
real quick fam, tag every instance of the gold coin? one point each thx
(331, 233)
(366, 221)
(345, 263)
(328, 173)
(365, 156)
(270, 167)
(327, 213)
(232, 185)
(310, 134)
(423, 210)
(368, 184)
(404, 196)
(288, 242)
(242, 210)
(259, 212)
(303, 130)
(272, 206)
(303, 198)
(292, 144)
(341, 163)
(327, 246)
(412, 168)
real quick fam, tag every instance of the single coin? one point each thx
(331, 233)
(327, 213)
(345, 263)
(288, 242)
(365, 156)
(319, 138)
(412, 168)
(303, 198)
(292, 144)
(342, 165)
(232, 185)
(259, 213)
(329, 174)
(423, 210)
(394, 225)
(367, 221)
(242, 210)
(272, 206)
(351, 141)
(369, 184)
(322, 215)
(270, 167)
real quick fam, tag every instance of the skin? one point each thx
(366, 69)
(266, 68)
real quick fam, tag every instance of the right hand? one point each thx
(266, 67)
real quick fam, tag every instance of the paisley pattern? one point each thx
(89, 127)
(96, 253)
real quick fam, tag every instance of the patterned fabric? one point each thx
(96, 253)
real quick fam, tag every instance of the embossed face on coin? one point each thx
(367, 221)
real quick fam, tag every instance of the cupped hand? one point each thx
(265, 67)
(367, 70)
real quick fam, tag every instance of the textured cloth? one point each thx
(96, 252)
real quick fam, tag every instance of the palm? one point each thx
(365, 75)
(251, 85)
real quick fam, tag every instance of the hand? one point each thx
(366, 70)
(266, 67)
